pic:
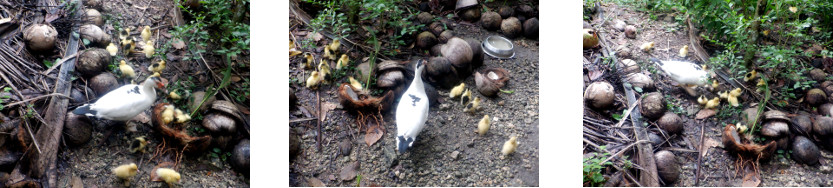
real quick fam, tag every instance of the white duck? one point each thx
(412, 111)
(123, 103)
(684, 72)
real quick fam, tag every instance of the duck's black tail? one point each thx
(84, 110)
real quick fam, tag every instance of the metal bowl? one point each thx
(498, 47)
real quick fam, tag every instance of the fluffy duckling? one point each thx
(510, 146)
(126, 172)
(324, 68)
(313, 80)
(355, 83)
(702, 100)
(715, 84)
(684, 51)
(168, 114)
(342, 62)
(126, 70)
(146, 33)
(473, 106)
(751, 75)
(168, 175)
(741, 128)
(181, 117)
(173, 95)
(334, 46)
(735, 92)
(148, 49)
(157, 67)
(647, 47)
(328, 54)
(310, 60)
(732, 96)
(713, 103)
(723, 95)
(457, 90)
(112, 49)
(466, 97)
(128, 42)
(483, 125)
(733, 100)
(138, 144)
(124, 33)
(760, 85)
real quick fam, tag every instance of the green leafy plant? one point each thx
(593, 169)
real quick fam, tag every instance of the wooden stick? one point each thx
(318, 138)
(700, 155)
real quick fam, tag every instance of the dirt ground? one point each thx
(718, 167)
(448, 152)
(91, 163)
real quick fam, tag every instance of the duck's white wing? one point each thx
(411, 112)
(122, 103)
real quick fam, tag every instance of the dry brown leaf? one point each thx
(235, 78)
(595, 74)
(374, 133)
(325, 109)
(708, 143)
(315, 182)
(349, 172)
(705, 113)
(751, 179)
(317, 37)
(178, 44)
(142, 117)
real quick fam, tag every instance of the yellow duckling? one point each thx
(126, 172)
(484, 125)
(124, 33)
(168, 114)
(723, 94)
(466, 97)
(313, 80)
(735, 92)
(741, 128)
(324, 68)
(334, 46)
(684, 51)
(510, 146)
(112, 49)
(126, 70)
(355, 83)
(173, 95)
(310, 60)
(328, 54)
(702, 100)
(647, 47)
(149, 50)
(733, 100)
(181, 117)
(473, 106)
(751, 75)
(713, 103)
(138, 144)
(146, 33)
(457, 90)
(342, 62)
(157, 67)
(168, 175)
(715, 84)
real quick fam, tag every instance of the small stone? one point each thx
(445, 106)
(454, 155)
(501, 103)
(345, 147)
(826, 169)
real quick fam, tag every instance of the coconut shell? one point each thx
(525, 10)
(531, 28)
(818, 75)
(361, 102)
(491, 21)
(92, 61)
(589, 39)
(619, 25)
(815, 97)
(241, 157)
(477, 56)
(95, 35)
(775, 129)
(506, 12)
(445, 35)
(641, 80)
(628, 66)
(630, 31)
(823, 126)
(653, 105)
(805, 151)
(471, 14)
(826, 109)
(458, 52)
(426, 40)
(802, 125)
(655, 139)
(94, 17)
(436, 50)
(78, 129)
(733, 143)
(440, 71)
(195, 144)
(827, 86)
(671, 123)
(490, 81)
(40, 37)
(511, 27)
(196, 98)
(294, 144)
(103, 83)
(599, 95)
(219, 123)
(425, 18)
(436, 28)
(668, 168)
(390, 79)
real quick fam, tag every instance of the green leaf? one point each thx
(507, 91)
